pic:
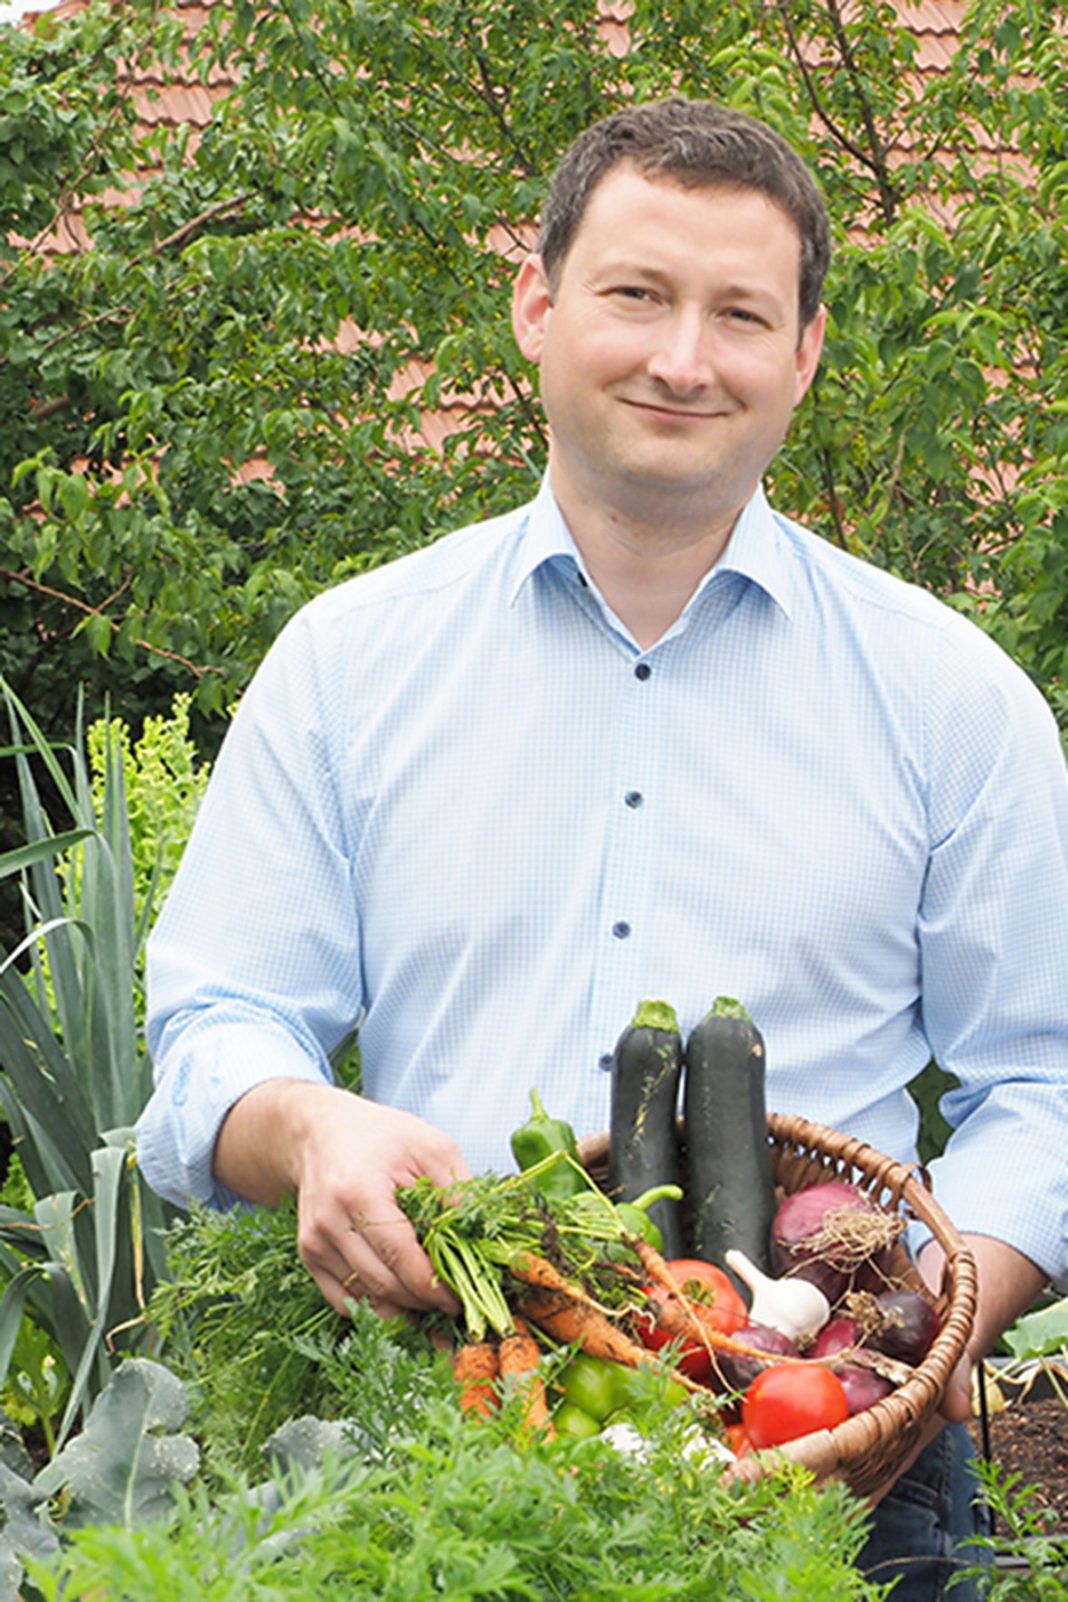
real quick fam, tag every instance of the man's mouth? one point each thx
(674, 413)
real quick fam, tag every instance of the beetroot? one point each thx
(861, 1384)
(835, 1336)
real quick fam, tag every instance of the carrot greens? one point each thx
(474, 1233)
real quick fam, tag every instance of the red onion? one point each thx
(836, 1336)
(907, 1324)
(737, 1372)
(862, 1386)
(826, 1232)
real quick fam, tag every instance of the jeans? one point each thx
(922, 1526)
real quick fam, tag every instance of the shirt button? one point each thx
(634, 798)
(605, 1060)
(642, 671)
(621, 930)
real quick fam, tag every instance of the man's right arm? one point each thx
(344, 1158)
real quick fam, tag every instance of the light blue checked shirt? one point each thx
(459, 802)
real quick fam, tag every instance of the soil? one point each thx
(1030, 1438)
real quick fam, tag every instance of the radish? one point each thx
(861, 1384)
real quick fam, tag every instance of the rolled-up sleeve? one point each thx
(253, 967)
(993, 930)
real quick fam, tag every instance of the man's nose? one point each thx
(682, 358)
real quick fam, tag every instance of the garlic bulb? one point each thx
(792, 1306)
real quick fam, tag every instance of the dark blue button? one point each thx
(605, 1060)
(621, 930)
(634, 798)
(642, 671)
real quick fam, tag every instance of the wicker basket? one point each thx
(873, 1445)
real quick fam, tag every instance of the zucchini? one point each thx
(643, 1148)
(729, 1177)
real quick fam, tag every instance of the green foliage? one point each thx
(927, 1090)
(123, 1466)
(163, 782)
(444, 1506)
(1040, 1332)
(1033, 1562)
(240, 1319)
(85, 1249)
(330, 265)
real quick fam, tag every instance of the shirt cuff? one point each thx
(210, 1070)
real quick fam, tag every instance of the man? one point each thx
(644, 737)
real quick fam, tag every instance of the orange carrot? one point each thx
(520, 1365)
(477, 1366)
(577, 1322)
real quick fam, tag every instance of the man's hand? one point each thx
(344, 1157)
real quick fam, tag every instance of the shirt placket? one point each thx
(628, 880)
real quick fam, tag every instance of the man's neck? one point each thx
(646, 570)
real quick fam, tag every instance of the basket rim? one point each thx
(867, 1448)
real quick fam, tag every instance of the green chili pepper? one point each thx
(637, 1222)
(634, 1215)
(540, 1140)
(574, 1422)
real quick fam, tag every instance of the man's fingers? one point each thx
(341, 1293)
(410, 1274)
(380, 1262)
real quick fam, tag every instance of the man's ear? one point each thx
(808, 353)
(531, 305)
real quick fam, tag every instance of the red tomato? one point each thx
(704, 1283)
(790, 1399)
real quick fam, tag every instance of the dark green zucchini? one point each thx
(643, 1148)
(729, 1177)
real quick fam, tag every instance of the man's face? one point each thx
(671, 356)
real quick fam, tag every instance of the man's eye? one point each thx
(632, 292)
(741, 314)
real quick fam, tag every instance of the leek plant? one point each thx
(81, 1258)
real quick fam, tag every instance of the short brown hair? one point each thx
(699, 144)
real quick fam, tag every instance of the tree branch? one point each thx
(875, 159)
(79, 605)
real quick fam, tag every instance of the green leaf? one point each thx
(109, 1165)
(126, 1464)
(11, 1305)
(26, 856)
(1040, 1333)
(25, 1531)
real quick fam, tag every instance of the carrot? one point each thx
(574, 1322)
(581, 1323)
(476, 1367)
(520, 1366)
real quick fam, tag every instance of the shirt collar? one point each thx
(758, 548)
